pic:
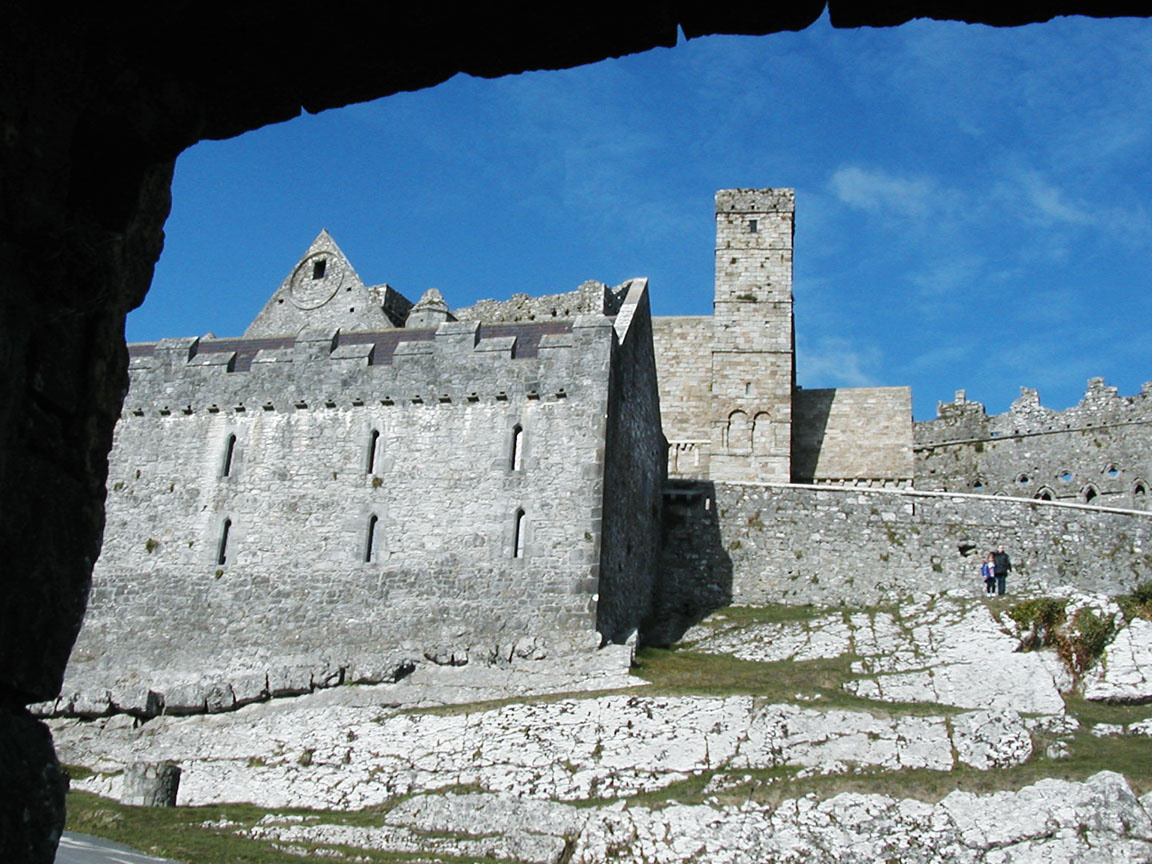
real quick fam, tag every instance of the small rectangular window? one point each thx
(222, 551)
(518, 538)
(318, 268)
(517, 457)
(373, 444)
(370, 544)
(229, 452)
(753, 226)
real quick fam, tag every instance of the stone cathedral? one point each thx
(360, 483)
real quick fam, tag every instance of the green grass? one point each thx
(682, 672)
(180, 833)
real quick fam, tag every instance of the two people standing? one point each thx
(994, 571)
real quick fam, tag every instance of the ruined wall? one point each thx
(1099, 450)
(852, 435)
(292, 513)
(634, 474)
(797, 544)
(591, 298)
(683, 346)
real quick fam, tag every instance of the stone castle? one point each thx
(360, 483)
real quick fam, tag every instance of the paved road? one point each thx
(82, 849)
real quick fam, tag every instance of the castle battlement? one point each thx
(1101, 405)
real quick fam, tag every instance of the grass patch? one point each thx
(680, 672)
(1138, 604)
(180, 833)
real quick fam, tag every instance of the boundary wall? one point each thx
(787, 543)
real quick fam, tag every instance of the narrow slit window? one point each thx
(518, 538)
(373, 444)
(517, 457)
(370, 541)
(222, 550)
(229, 452)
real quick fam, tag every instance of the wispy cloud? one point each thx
(880, 192)
(837, 362)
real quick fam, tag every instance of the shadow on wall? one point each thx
(695, 571)
(811, 409)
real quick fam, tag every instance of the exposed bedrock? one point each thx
(94, 107)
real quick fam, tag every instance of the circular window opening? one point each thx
(1112, 471)
(1066, 476)
(977, 484)
(1022, 479)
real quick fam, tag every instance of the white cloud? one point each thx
(877, 191)
(837, 362)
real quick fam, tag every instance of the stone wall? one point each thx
(291, 513)
(753, 373)
(804, 544)
(591, 298)
(852, 435)
(683, 346)
(323, 291)
(1099, 450)
(634, 475)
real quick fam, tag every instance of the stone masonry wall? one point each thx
(683, 348)
(330, 510)
(634, 475)
(828, 545)
(591, 298)
(753, 374)
(1099, 450)
(852, 435)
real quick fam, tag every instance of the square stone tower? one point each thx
(753, 369)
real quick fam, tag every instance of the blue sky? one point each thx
(974, 205)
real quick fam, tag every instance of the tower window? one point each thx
(229, 452)
(222, 549)
(516, 460)
(1089, 494)
(319, 268)
(753, 226)
(518, 535)
(370, 460)
(370, 540)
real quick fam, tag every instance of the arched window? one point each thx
(736, 433)
(229, 452)
(370, 540)
(516, 456)
(1088, 494)
(1045, 494)
(761, 433)
(978, 484)
(222, 549)
(1139, 490)
(370, 456)
(518, 535)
